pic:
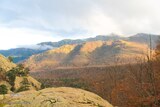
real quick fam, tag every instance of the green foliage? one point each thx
(10, 58)
(3, 89)
(20, 70)
(12, 76)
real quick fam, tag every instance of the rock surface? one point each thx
(54, 97)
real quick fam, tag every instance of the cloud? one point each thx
(37, 47)
(80, 18)
(13, 37)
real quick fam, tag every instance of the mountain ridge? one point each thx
(21, 54)
(93, 53)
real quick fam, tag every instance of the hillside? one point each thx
(5, 63)
(93, 53)
(51, 58)
(57, 97)
(15, 77)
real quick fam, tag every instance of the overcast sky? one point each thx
(24, 22)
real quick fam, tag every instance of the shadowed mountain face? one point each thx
(94, 53)
(144, 38)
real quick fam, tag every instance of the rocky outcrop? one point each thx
(54, 97)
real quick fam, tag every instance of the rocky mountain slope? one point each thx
(54, 97)
(88, 54)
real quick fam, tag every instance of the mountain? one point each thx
(20, 54)
(54, 97)
(93, 53)
(80, 41)
(140, 38)
(145, 38)
(63, 42)
(105, 38)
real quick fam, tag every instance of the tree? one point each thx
(20, 70)
(10, 58)
(3, 90)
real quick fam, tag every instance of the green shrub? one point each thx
(3, 89)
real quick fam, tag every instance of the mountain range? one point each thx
(95, 53)
(21, 54)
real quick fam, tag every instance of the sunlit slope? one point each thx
(49, 59)
(88, 54)
(5, 63)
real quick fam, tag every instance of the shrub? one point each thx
(3, 89)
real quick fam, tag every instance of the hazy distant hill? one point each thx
(87, 54)
(20, 54)
(144, 38)
(140, 38)
(80, 41)
(63, 42)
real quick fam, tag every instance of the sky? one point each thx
(27, 22)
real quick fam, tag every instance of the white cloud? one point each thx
(36, 46)
(13, 37)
